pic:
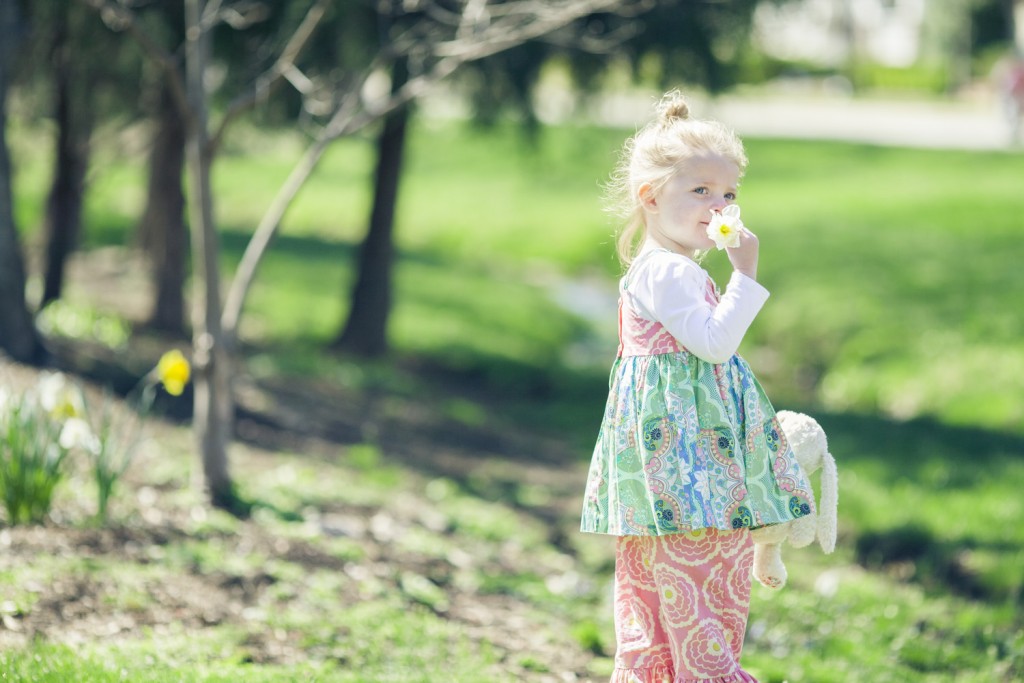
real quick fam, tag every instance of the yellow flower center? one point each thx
(65, 409)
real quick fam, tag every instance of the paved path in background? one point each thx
(935, 124)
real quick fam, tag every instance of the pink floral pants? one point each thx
(681, 605)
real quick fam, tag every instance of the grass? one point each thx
(924, 586)
(301, 596)
(894, 276)
(895, 281)
(893, 271)
(888, 296)
(926, 582)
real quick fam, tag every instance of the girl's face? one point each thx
(677, 215)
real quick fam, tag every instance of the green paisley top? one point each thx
(687, 443)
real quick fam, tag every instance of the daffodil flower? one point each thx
(173, 371)
(725, 227)
(76, 433)
(58, 397)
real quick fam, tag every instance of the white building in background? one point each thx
(829, 32)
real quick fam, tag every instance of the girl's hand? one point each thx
(744, 257)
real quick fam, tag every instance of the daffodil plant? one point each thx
(42, 426)
(118, 439)
(34, 441)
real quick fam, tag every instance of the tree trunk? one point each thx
(162, 229)
(18, 337)
(63, 222)
(213, 405)
(365, 332)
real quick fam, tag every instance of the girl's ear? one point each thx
(645, 193)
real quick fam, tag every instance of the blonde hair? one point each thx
(653, 156)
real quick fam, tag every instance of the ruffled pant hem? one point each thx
(665, 674)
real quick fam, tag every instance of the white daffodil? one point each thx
(58, 397)
(724, 228)
(76, 433)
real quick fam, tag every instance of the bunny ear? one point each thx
(829, 506)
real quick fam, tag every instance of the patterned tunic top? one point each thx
(687, 443)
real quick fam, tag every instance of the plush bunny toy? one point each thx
(807, 439)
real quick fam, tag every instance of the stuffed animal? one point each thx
(807, 439)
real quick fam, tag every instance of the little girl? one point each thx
(690, 456)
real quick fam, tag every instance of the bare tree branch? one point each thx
(476, 14)
(439, 44)
(523, 21)
(238, 15)
(284, 66)
(353, 114)
(211, 15)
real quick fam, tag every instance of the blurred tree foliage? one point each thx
(674, 42)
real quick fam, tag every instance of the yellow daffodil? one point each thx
(173, 372)
(724, 228)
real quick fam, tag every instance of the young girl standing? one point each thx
(690, 456)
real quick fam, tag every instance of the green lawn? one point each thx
(894, 272)
(895, 278)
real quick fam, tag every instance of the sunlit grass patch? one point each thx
(871, 627)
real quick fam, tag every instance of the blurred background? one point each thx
(376, 230)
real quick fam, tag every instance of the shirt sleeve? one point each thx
(669, 289)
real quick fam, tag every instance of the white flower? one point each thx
(51, 384)
(76, 433)
(724, 228)
(58, 397)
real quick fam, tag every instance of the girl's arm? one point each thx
(671, 290)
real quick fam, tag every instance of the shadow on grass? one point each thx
(915, 553)
(911, 447)
(234, 241)
(242, 506)
(949, 465)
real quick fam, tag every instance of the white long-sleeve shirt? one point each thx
(669, 288)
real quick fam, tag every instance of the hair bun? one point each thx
(672, 107)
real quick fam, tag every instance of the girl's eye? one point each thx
(731, 196)
(701, 190)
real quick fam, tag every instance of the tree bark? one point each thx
(63, 222)
(162, 229)
(365, 332)
(213, 403)
(18, 336)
